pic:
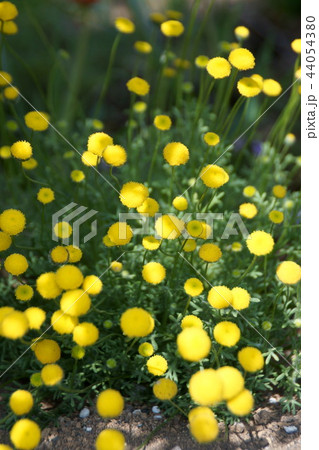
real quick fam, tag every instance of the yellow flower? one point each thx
(203, 425)
(69, 277)
(172, 28)
(162, 122)
(176, 153)
(11, 93)
(296, 45)
(193, 344)
(226, 333)
(59, 254)
(259, 80)
(45, 196)
(5, 241)
(47, 351)
(35, 379)
(157, 365)
(143, 47)
(242, 404)
(37, 120)
(157, 17)
(169, 226)
(21, 402)
(180, 203)
(98, 142)
(120, 233)
(124, 25)
(21, 150)
(85, 334)
(138, 86)
(146, 349)
(182, 63)
(75, 253)
(24, 292)
(289, 272)
(248, 87)
(47, 286)
(241, 32)
(207, 231)
(211, 138)
(25, 434)
(236, 247)
(241, 298)
(205, 387)
(110, 439)
(116, 266)
(115, 155)
(16, 264)
(169, 72)
(140, 107)
(92, 284)
(97, 124)
(248, 210)
(14, 325)
(8, 11)
(290, 139)
(191, 321)
(201, 61)
(5, 78)
(110, 403)
(77, 176)
(214, 176)
(136, 322)
(63, 323)
(133, 194)
(218, 67)
(189, 245)
(193, 287)
(89, 159)
(210, 252)
(153, 272)
(35, 316)
(242, 59)
(51, 374)
(220, 297)
(5, 152)
(30, 164)
(149, 207)
(249, 191)
(251, 359)
(266, 325)
(77, 352)
(276, 216)
(173, 14)
(279, 191)
(260, 243)
(232, 380)
(271, 88)
(75, 302)
(12, 221)
(151, 243)
(165, 389)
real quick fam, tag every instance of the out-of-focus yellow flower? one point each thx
(124, 25)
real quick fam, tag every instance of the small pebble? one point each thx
(291, 429)
(88, 429)
(139, 425)
(85, 412)
(136, 411)
(156, 410)
(272, 400)
(157, 417)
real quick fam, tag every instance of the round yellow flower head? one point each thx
(45, 196)
(249, 191)
(207, 231)
(176, 153)
(220, 297)
(37, 121)
(276, 216)
(35, 379)
(157, 17)
(16, 264)
(266, 325)
(172, 28)
(146, 349)
(296, 45)
(5, 78)
(206, 387)
(248, 87)
(63, 323)
(110, 403)
(180, 203)
(242, 404)
(193, 287)
(133, 194)
(151, 243)
(201, 61)
(218, 67)
(116, 266)
(25, 434)
(89, 159)
(85, 334)
(77, 352)
(115, 155)
(232, 380)
(11, 93)
(120, 233)
(30, 164)
(169, 72)
(260, 243)
(110, 439)
(157, 365)
(271, 88)
(35, 316)
(194, 228)
(8, 11)
(143, 47)
(5, 241)
(236, 247)
(98, 142)
(136, 322)
(12, 221)
(148, 208)
(211, 138)
(162, 122)
(279, 191)
(69, 277)
(165, 389)
(241, 298)
(189, 245)
(21, 150)
(124, 25)
(75, 302)
(140, 107)
(289, 272)
(51, 374)
(92, 285)
(5, 152)
(226, 333)
(75, 253)
(242, 59)
(153, 272)
(203, 424)
(169, 226)
(47, 351)
(259, 80)
(138, 86)
(251, 359)
(214, 176)
(248, 210)
(21, 402)
(77, 176)
(173, 14)
(191, 321)
(59, 254)
(193, 344)
(47, 286)
(210, 252)
(14, 325)
(241, 32)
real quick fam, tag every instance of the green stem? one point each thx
(187, 304)
(150, 172)
(248, 269)
(179, 409)
(172, 185)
